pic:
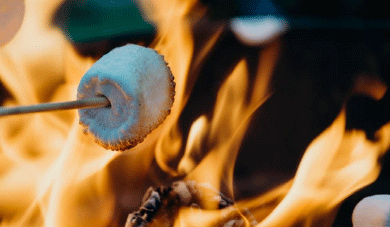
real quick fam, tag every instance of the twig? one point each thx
(54, 106)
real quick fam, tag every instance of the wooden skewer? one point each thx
(54, 106)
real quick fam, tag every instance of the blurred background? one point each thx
(331, 55)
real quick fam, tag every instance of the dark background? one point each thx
(312, 79)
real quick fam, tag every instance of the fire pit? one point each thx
(273, 133)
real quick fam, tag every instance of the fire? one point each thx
(49, 168)
(53, 175)
(336, 164)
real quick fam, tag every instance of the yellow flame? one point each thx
(52, 175)
(335, 165)
(175, 20)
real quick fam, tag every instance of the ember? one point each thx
(270, 130)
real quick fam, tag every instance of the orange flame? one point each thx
(53, 175)
(49, 169)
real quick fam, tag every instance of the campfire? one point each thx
(279, 133)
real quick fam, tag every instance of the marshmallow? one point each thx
(140, 87)
(372, 211)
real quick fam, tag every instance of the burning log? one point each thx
(161, 204)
